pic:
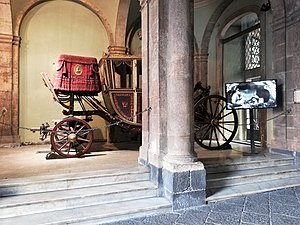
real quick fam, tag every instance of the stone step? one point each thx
(94, 214)
(69, 198)
(222, 193)
(231, 178)
(247, 162)
(11, 187)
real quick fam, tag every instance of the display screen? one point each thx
(251, 95)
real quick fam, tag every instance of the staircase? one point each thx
(235, 177)
(82, 198)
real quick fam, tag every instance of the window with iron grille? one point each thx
(252, 50)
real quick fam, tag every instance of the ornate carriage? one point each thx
(78, 82)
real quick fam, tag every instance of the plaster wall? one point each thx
(109, 7)
(48, 30)
(201, 17)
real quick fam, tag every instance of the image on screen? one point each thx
(251, 95)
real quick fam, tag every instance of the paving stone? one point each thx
(297, 190)
(285, 191)
(193, 217)
(254, 218)
(224, 218)
(288, 210)
(124, 222)
(163, 219)
(206, 208)
(227, 208)
(284, 220)
(254, 207)
(261, 198)
(284, 199)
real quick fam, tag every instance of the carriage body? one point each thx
(78, 75)
(121, 82)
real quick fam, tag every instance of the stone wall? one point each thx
(286, 68)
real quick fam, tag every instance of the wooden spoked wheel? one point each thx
(214, 125)
(71, 137)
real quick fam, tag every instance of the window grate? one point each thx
(252, 50)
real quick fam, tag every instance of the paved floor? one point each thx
(281, 207)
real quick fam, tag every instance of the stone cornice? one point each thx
(16, 40)
(6, 38)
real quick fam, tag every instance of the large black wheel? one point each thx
(71, 137)
(215, 126)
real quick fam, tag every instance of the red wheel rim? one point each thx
(71, 137)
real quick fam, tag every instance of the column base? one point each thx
(11, 140)
(184, 184)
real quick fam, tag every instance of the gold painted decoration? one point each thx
(78, 69)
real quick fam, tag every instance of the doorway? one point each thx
(242, 63)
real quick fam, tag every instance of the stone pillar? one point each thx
(168, 140)
(154, 44)
(143, 151)
(292, 81)
(8, 105)
(183, 175)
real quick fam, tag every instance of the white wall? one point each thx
(48, 30)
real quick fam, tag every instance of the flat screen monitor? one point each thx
(251, 95)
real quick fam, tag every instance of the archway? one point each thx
(48, 30)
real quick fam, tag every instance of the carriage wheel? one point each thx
(71, 137)
(215, 126)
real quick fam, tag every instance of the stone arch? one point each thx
(121, 23)
(31, 4)
(201, 58)
(223, 28)
(235, 16)
(210, 26)
(65, 39)
(136, 25)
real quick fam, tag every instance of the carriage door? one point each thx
(127, 92)
(241, 62)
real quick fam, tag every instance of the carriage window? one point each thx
(123, 74)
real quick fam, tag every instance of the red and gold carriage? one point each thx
(78, 82)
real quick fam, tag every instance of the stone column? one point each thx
(8, 107)
(143, 151)
(183, 175)
(154, 44)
